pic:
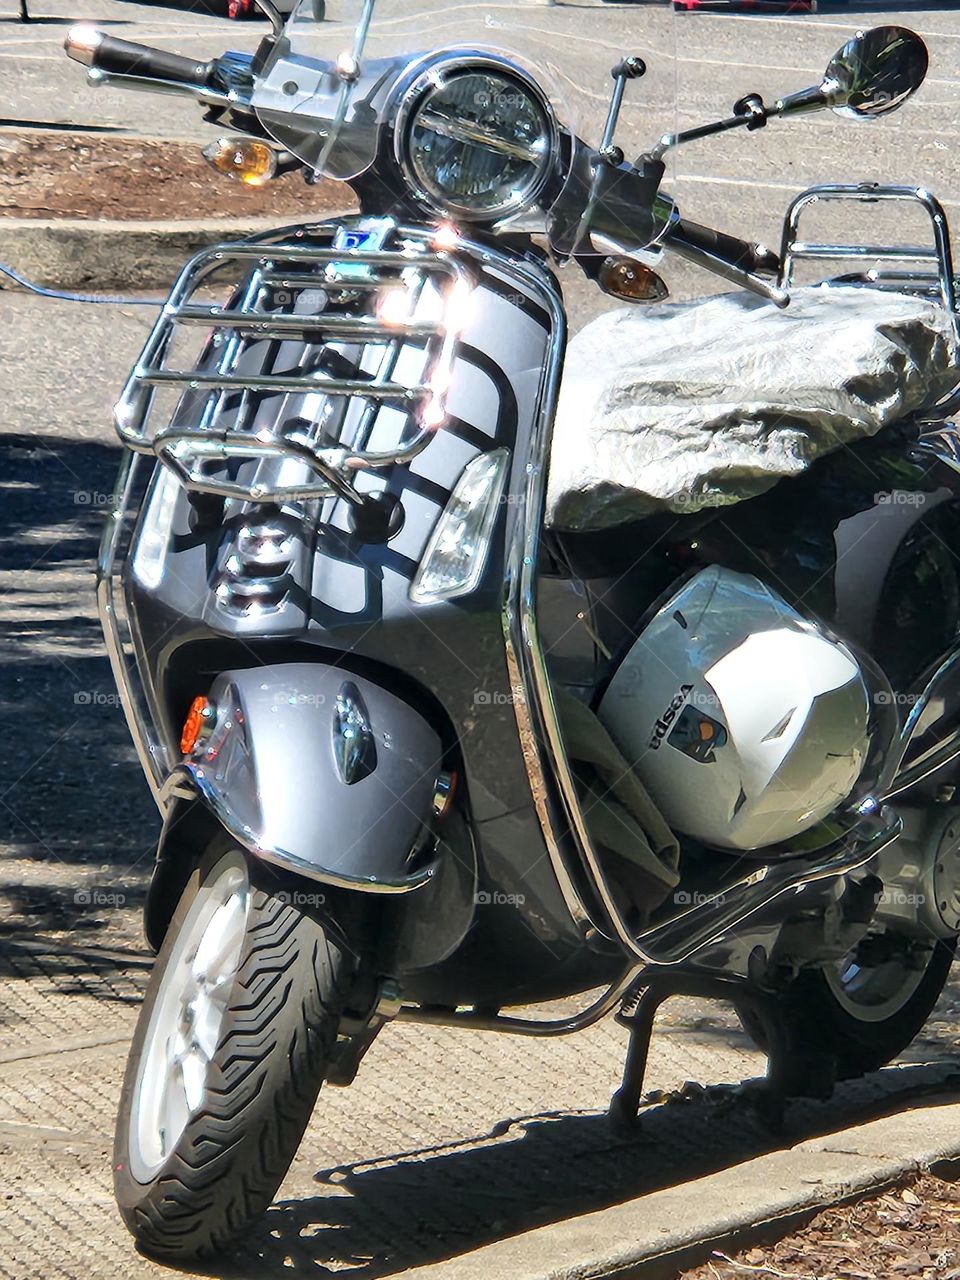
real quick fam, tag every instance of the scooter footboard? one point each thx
(321, 772)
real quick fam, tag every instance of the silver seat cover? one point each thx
(684, 406)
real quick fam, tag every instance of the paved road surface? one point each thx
(739, 182)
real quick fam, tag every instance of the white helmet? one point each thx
(745, 721)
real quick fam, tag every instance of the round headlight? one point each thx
(475, 142)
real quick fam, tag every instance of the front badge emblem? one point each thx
(354, 746)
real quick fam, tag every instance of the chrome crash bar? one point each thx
(679, 940)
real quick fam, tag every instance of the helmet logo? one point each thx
(662, 727)
(697, 735)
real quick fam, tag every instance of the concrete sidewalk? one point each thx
(678, 1227)
(455, 1155)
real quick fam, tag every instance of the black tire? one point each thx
(273, 1046)
(820, 1021)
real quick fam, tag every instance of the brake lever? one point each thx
(728, 271)
(115, 80)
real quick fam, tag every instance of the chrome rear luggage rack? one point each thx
(930, 267)
(375, 302)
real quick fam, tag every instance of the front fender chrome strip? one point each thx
(140, 718)
(188, 781)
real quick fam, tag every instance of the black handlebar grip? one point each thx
(739, 253)
(122, 57)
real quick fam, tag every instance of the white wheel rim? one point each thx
(187, 1015)
(876, 993)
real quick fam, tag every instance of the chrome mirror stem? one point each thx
(277, 19)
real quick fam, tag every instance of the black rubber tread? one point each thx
(275, 1043)
(820, 1022)
(861, 1047)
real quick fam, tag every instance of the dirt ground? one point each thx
(62, 175)
(911, 1231)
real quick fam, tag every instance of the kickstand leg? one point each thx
(625, 1103)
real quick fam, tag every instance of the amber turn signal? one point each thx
(632, 281)
(200, 713)
(243, 159)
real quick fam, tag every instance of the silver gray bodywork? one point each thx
(294, 575)
(271, 769)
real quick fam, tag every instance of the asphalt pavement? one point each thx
(699, 65)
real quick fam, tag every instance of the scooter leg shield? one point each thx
(320, 772)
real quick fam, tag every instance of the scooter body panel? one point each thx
(340, 602)
(319, 770)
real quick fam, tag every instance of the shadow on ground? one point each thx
(76, 820)
(412, 1208)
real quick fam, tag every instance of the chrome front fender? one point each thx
(320, 772)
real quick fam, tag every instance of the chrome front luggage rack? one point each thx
(369, 335)
(929, 268)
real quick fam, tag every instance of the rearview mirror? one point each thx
(875, 72)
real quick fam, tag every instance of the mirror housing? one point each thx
(874, 73)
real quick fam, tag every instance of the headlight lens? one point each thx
(150, 553)
(452, 563)
(477, 143)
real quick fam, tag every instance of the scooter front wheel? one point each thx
(235, 1033)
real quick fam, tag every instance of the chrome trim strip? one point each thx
(536, 709)
(363, 328)
(942, 444)
(942, 253)
(938, 755)
(278, 382)
(191, 776)
(801, 249)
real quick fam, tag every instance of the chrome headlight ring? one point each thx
(475, 120)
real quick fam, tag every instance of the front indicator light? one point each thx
(199, 717)
(453, 561)
(243, 159)
(632, 281)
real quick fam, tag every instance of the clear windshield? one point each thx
(337, 87)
